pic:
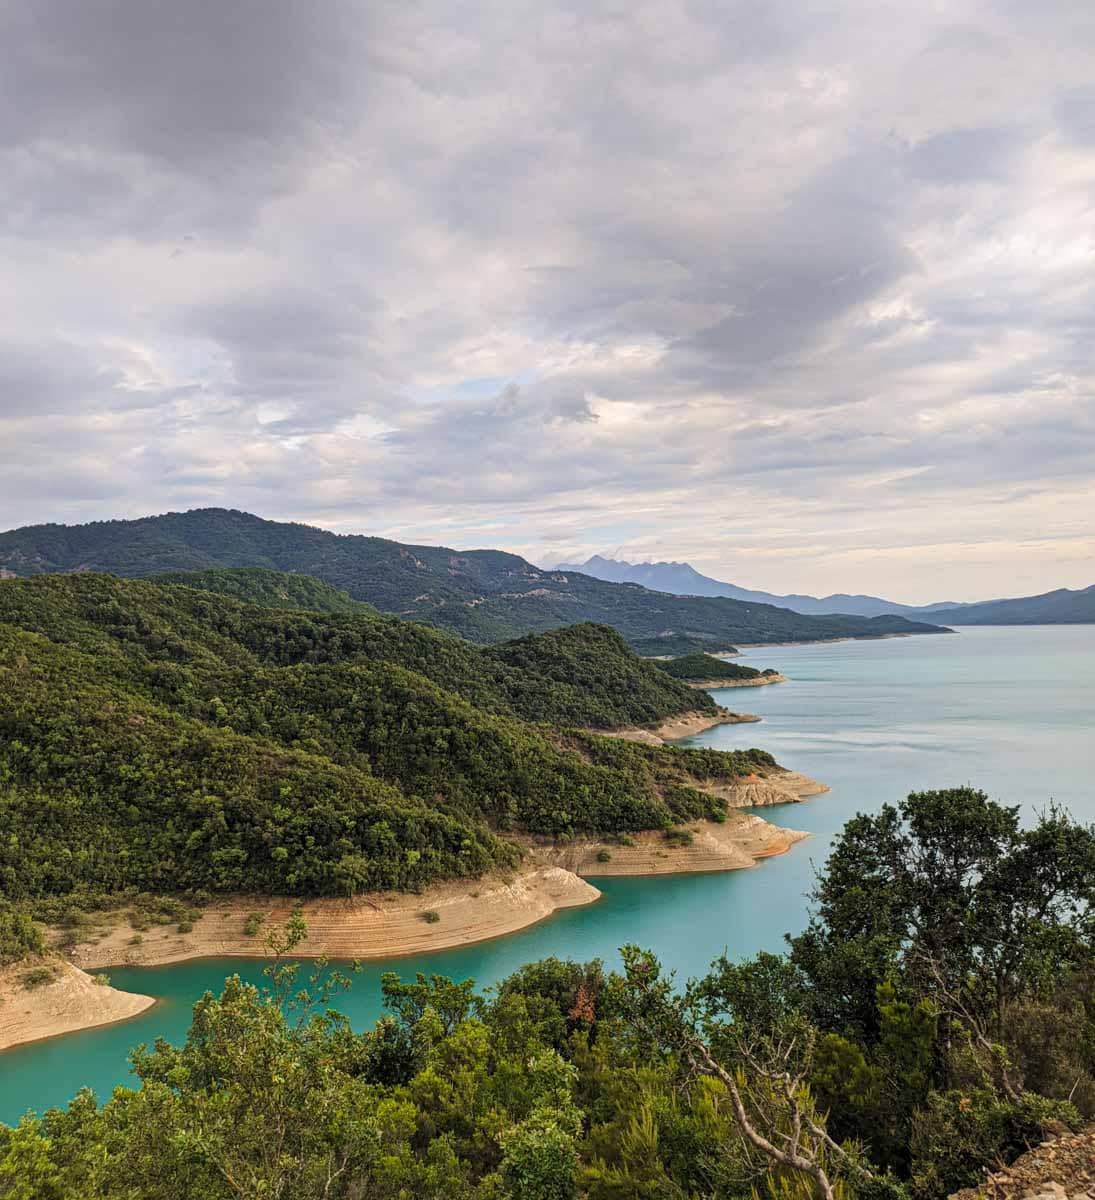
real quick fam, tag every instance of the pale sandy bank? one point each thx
(684, 726)
(740, 841)
(71, 1000)
(777, 787)
(759, 681)
(380, 925)
(396, 924)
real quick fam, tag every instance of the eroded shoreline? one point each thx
(397, 924)
(372, 926)
(677, 728)
(69, 1002)
(759, 681)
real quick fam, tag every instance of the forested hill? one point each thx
(1060, 607)
(161, 737)
(700, 668)
(269, 589)
(484, 595)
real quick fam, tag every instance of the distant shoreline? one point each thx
(866, 637)
(676, 728)
(759, 681)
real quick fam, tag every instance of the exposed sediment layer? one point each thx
(755, 791)
(758, 681)
(741, 841)
(376, 926)
(71, 1000)
(683, 726)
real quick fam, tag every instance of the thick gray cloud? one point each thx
(803, 293)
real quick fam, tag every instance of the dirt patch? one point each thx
(379, 925)
(68, 1001)
(741, 841)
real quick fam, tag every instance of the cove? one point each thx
(1010, 710)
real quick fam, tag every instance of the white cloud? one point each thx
(802, 293)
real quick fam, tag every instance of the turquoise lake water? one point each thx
(1008, 710)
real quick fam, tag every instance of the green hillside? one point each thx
(161, 737)
(1060, 607)
(698, 668)
(931, 1024)
(270, 589)
(484, 595)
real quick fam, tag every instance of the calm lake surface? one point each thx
(1010, 710)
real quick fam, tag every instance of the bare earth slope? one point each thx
(73, 1000)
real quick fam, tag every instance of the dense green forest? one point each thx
(270, 589)
(698, 668)
(680, 645)
(483, 595)
(163, 738)
(935, 1019)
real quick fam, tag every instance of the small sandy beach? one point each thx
(685, 726)
(759, 681)
(72, 1000)
(375, 926)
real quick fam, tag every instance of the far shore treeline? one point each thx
(703, 668)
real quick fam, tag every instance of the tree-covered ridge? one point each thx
(164, 738)
(949, 1048)
(1060, 607)
(270, 589)
(699, 668)
(483, 595)
(680, 645)
(585, 675)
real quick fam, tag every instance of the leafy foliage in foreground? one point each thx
(163, 738)
(566, 1081)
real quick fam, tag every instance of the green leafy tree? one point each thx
(950, 889)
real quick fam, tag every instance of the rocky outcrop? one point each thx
(756, 791)
(742, 840)
(1061, 1168)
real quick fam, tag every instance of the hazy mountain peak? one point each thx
(681, 578)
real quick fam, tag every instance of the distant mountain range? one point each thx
(1060, 607)
(484, 595)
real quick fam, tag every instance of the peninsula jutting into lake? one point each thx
(246, 750)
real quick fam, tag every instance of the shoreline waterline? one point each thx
(381, 927)
(874, 719)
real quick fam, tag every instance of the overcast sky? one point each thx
(801, 291)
